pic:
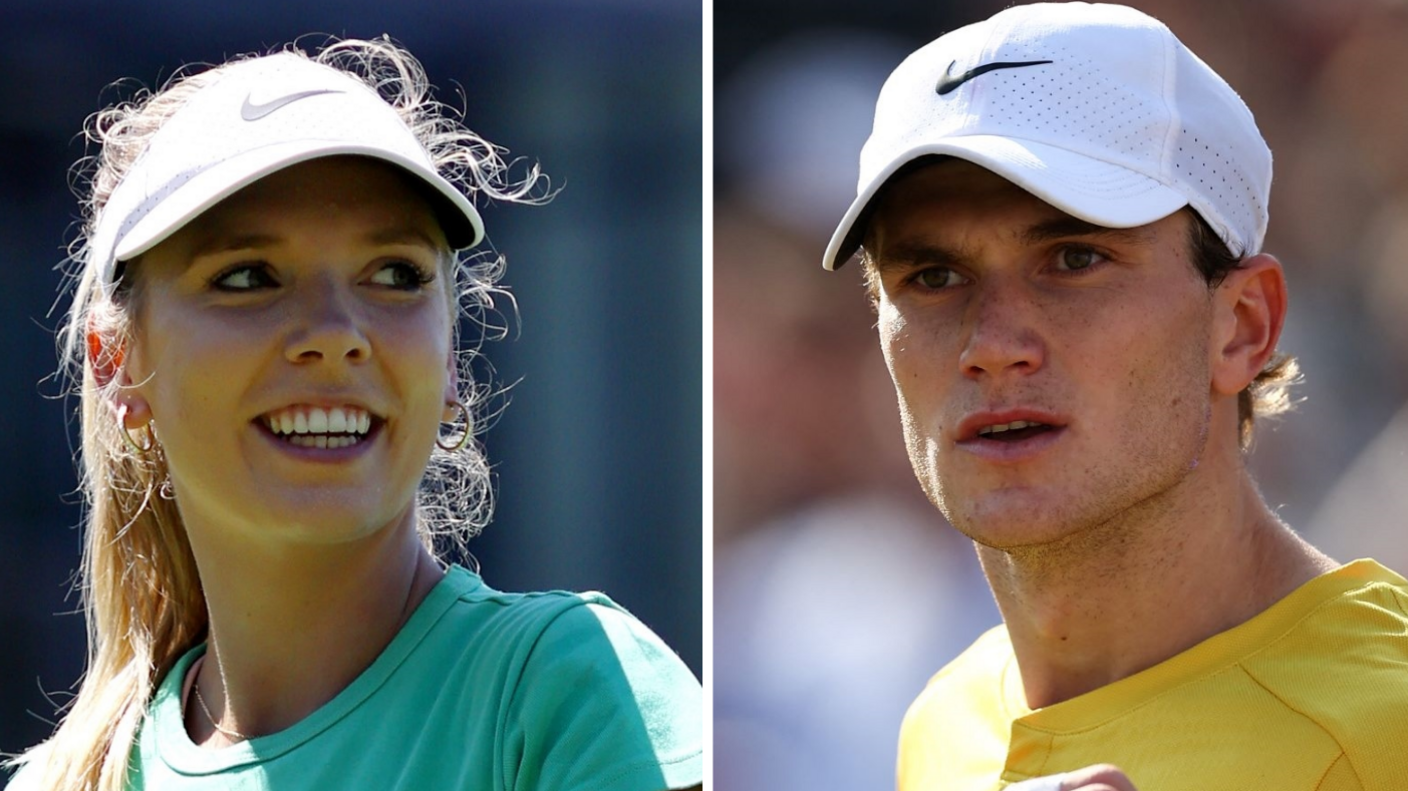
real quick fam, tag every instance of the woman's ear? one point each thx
(107, 356)
(452, 390)
(1250, 307)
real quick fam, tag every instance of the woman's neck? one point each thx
(291, 627)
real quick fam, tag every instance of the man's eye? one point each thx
(1076, 258)
(402, 275)
(937, 277)
(243, 278)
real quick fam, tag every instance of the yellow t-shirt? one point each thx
(1311, 694)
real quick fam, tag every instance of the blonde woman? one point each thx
(263, 340)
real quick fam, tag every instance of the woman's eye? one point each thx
(401, 275)
(1073, 259)
(243, 278)
(937, 278)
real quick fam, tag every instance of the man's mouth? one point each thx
(1015, 431)
(319, 427)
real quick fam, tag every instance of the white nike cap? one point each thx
(1096, 109)
(258, 117)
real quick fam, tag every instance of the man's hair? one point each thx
(1268, 395)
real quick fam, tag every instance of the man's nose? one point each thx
(1002, 331)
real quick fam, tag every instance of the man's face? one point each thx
(995, 309)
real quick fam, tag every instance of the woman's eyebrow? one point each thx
(402, 235)
(1067, 226)
(220, 243)
(217, 243)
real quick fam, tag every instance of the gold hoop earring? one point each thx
(463, 437)
(140, 450)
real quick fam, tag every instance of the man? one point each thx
(1061, 211)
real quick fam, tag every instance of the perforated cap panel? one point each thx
(1096, 109)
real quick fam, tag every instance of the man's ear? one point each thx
(1250, 311)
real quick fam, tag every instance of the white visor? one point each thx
(258, 117)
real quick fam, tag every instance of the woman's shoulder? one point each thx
(595, 636)
(586, 689)
(553, 620)
(553, 630)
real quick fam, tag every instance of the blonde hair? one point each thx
(141, 590)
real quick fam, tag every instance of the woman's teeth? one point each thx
(315, 427)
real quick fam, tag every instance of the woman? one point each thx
(263, 332)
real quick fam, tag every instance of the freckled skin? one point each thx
(1120, 349)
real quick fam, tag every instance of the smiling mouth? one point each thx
(318, 427)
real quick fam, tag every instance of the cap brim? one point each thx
(1090, 189)
(178, 205)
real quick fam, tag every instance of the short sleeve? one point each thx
(603, 705)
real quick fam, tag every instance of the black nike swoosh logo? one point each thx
(949, 83)
(250, 111)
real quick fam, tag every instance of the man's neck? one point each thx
(1126, 595)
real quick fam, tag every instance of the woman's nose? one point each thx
(328, 327)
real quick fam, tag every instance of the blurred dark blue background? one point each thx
(598, 451)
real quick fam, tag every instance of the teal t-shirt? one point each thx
(480, 690)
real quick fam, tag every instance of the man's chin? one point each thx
(1016, 539)
(1015, 520)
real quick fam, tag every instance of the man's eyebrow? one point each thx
(916, 253)
(908, 254)
(1066, 226)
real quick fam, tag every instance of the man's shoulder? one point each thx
(959, 724)
(1356, 630)
(972, 682)
(1344, 666)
